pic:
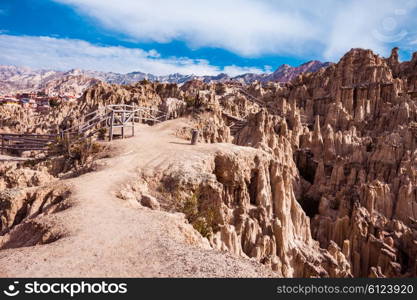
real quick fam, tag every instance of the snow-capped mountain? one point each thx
(22, 79)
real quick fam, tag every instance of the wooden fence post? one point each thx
(67, 143)
(133, 123)
(123, 124)
(111, 125)
(194, 136)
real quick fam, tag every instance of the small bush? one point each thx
(144, 81)
(84, 150)
(201, 220)
(54, 102)
(203, 227)
(190, 207)
(190, 101)
(102, 133)
(220, 89)
(193, 101)
(80, 153)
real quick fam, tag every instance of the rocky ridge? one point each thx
(352, 127)
(74, 82)
(324, 184)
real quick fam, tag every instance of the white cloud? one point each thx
(245, 27)
(323, 28)
(373, 24)
(236, 70)
(64, 54)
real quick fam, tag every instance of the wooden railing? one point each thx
(25, 142)
(236, 124)
(252, 97)
(125, 116)
(112, 116)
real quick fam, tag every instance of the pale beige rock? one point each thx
(149, 201)
(321, 180)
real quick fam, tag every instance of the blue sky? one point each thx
(201, 37)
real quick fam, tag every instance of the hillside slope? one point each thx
(103, 235)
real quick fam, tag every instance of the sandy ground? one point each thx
(108, 237)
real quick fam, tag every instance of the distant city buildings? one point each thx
(9, 100)
(39, 101)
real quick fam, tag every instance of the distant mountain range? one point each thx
(22, 79)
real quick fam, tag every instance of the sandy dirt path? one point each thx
(109, 237)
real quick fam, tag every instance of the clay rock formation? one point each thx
(245, 197)
(13, 176)
(353, 132)
(19, 204)
(347, 136)
(321, 180)
(27, 195)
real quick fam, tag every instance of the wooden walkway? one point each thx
(236, 124)
(25, 142)
(125, 116)
(111, 117)
(252, 97)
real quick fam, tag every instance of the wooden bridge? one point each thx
(125, 116)
(111, 117)
(25, 142)
(236, 124)
(252, 97)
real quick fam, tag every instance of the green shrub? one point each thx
(79, 152)
(203, 227)
(190, 101)
(190, 207)
(102, 133)
(144, 81)
(54, 102)
(220, 89)
(201, 220)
